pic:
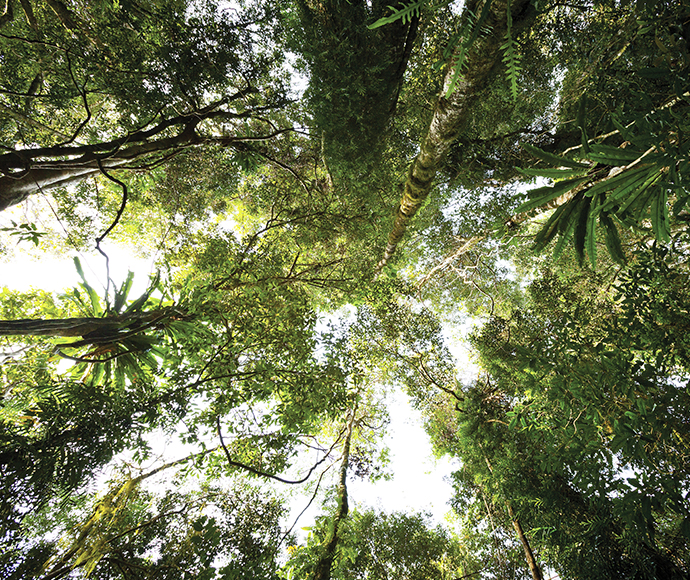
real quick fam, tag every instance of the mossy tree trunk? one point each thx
(452, 112)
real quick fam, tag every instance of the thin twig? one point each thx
(292, 527)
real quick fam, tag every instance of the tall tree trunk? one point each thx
(529, 555)
(452, 113)
(323, 566)
(92, 330)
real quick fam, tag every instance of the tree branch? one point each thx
(263, 473)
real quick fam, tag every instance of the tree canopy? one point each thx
(337, 198)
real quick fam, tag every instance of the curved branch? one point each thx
(119, 211)
(82, 93)
(263, 473)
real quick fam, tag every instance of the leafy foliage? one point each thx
(267, 348)
(26, 232)
(576, 417)
(511, 57)
(381, 545)
(204, 533)
(637, 178)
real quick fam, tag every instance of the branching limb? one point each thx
(82, 92)
(251, 469)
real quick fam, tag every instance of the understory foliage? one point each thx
(177, 423)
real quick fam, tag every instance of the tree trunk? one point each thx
(92, 330)
(41, 175)
(14, 190)
(27, 171)
(323, 566)
(529, 555)
(452, 113)
(61, 327)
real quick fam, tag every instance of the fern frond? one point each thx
(511, 57)
(406, 14)
(472, 29)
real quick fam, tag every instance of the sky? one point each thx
(420, 482)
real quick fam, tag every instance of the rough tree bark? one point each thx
(452, 113)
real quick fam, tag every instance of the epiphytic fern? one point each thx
(462, 41)
(406, 13)
(511, 57)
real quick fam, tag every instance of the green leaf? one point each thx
(550, 229)
(553, 173)
(622, 129)
(613, 155)
(543, 195)
(511, 57)
(581, 114)
(660, 224)
(123, 292)
(458, 63)
(627, 188)
(591, 232)
(613, 242)
(98, 373)
(651, 177)
(581, 229)
(139, 303)
(77, 265)
(97, 308)
(563, 238)
(620, 181)
(551, 159)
